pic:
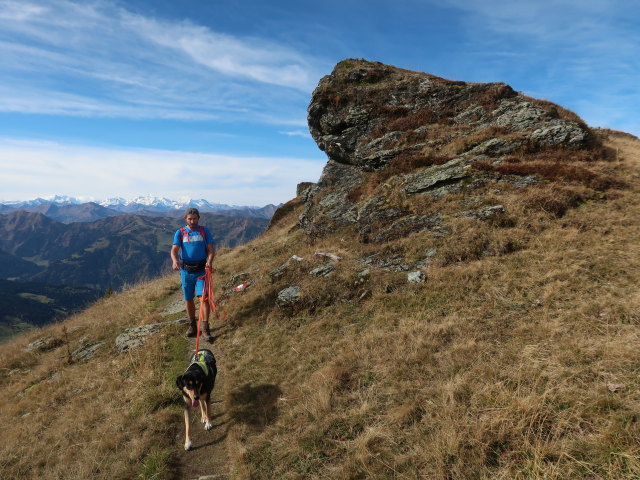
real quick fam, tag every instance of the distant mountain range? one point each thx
(42, 260)
(109, 252)
(69, 209)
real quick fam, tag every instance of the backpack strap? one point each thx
(199, 229)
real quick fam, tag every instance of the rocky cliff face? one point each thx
(394, 135)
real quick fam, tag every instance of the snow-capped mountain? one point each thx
(143, 205)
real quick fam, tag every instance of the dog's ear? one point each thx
(179, 383)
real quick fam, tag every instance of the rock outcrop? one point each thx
(391, 133)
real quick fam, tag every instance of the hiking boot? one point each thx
(191, 331)
(206, 333)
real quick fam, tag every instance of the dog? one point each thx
(196, 384)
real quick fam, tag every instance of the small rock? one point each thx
(136, 336)
(485, 213)
(416, 277)
(323, 270)
(278, 272)
(38, 344)
(289, 296)
(86, 352)
(331, 256)
(615, 387)
(362, 277)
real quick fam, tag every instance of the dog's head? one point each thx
(190, 383)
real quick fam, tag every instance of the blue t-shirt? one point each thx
(193, 248)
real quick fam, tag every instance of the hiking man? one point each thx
(194, 243)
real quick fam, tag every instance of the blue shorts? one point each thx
(191, 286)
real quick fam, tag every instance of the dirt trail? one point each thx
(207, 458)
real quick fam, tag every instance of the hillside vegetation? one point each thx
(514, 356)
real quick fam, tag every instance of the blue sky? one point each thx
(207, 99)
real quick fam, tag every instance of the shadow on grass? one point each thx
(254, 405)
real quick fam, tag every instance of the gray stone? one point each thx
(485, 213)
(38, 344)
(368, 116)
(435, 176)
(410, 224)
(560, 133)
(86, 352)
(393, 263)
(472, 115)
(136, 336)
(276, 273)
(289, 296)
(494, 147)
(362, 277)
(416, 277)
(174, 307)
(303, 188)
(330, 256)
(323, 270)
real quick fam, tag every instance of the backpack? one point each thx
(200, 229)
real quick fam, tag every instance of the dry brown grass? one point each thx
(107, 418)
(517, 359)
(500, 366)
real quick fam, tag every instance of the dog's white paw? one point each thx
(208, 425)
(187, 445)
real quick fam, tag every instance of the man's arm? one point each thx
(211, 253)
(174, 257)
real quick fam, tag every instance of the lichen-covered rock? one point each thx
(289, 296)
(86, 352)
(137, 336)
(484, 213)
(38, 344)
(434, 177)
(390, 132)
(416, 277)
(323, 270)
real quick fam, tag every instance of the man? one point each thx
(192, 253)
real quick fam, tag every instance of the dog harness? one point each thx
(200, 359)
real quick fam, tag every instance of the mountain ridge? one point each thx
(70, 209)
(465, 309)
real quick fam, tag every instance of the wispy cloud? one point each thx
(296, 133)
(99, 59)
(583, 51)
(35, 168)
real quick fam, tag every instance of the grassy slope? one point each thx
(500, 366)
(113, 417)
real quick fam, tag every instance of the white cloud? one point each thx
(296, 133)
(99, 59)
(575, 52)
(35, 168)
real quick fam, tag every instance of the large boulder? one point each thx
(391, 133)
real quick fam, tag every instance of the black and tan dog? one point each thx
(196, 385)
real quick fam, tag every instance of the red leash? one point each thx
(207, 296)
